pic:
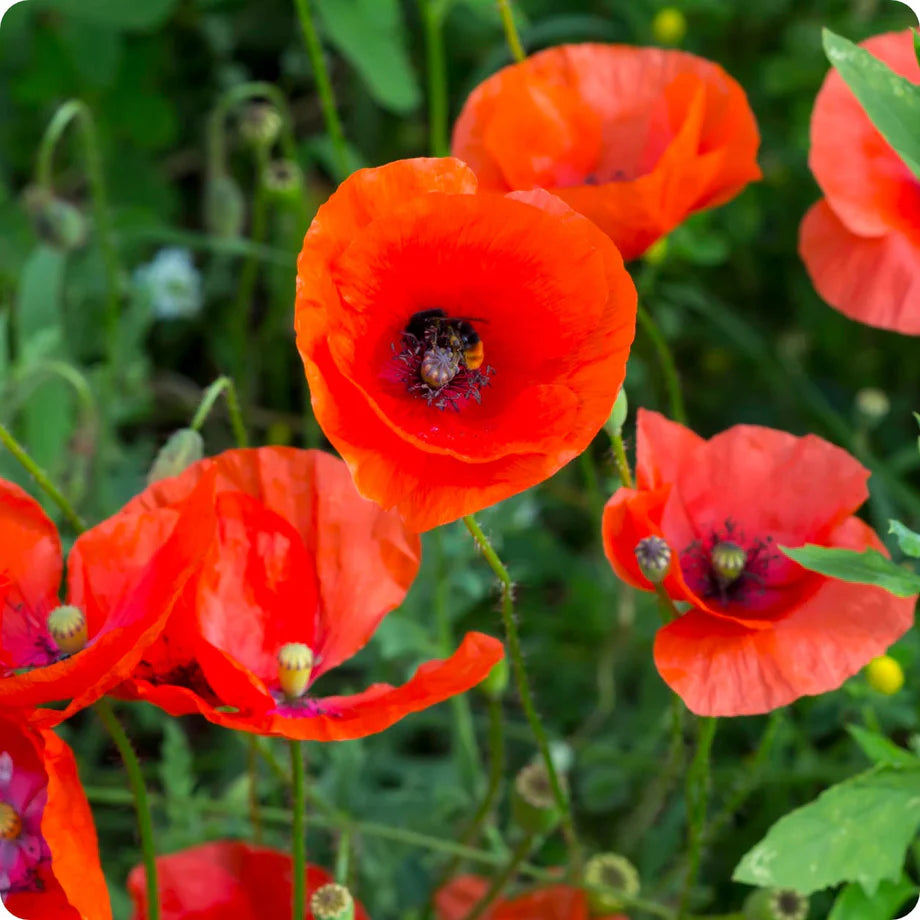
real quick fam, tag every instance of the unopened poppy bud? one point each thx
(183, 448)
(67, 626)
(728, 561)
(669, 26)
(657, 252)
(10, 822)
(496, 681)
(775, 904)
(56, 222)
(654, 557)
(885, 675)
(224, 207)
(283, 180)
(332, 902)
(617, 419)
(533, 805)
(611, 876)
(260, 124)
(295, 664)
(872, 404)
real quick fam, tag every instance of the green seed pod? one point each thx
(67, 626)
(616, 876)
(533, 805)
(260, 124)
(183, 448)
(283, 181)
(332, 902)
(654, 557)
(224, 207)
(775, 904)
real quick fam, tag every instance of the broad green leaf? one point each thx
(908, 540)
(120, 14)
(891, 102)
(869, 567)
(854, 904)
(857, 831)
(38, 298)
(881, 750)
(370, 35)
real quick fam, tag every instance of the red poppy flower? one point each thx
(637, 139)
(556, 902)
(761, 631)
(118, 599)
(49, 858)
(299, 572)
(460, 347)
(861, 242)
(225, 879)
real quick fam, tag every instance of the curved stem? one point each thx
(698, 782)
(139, 790)
(518, 855)
(323, 87)
(433, 17)
(668, 367)
(41, 479)
(223, 385)
(76, 110)
(511, 33)
(523, 687)
(298, 832)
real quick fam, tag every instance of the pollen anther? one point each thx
(10, 822)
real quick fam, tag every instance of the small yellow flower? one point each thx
(885, 675)
(669, 26)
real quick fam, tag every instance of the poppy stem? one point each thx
(223, 385)
(75, 110)
(511, 32)
(41, 479)
(668, 367)
(518, 855)
(252, 768)
(141, 803)
(324, 88)
(619, 457)
(298, 832)
(523, 687)
(697, 793)
(433, 15)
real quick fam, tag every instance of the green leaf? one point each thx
(143, 15)
(869, 567)
(370, 35)
(908, 540)
(891, 102)
(881, 750)
(857, 831)
(853, 902)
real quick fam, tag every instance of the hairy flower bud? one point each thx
(614, 424)
(183, 448)
(56, 222)
(260, 124)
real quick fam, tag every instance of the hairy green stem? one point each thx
(668, 367)
(70, 111)
(223, 385)
(523, 687)
(511, 33)
(298, 831)
(141, 804)
(698, 782)
(41, 479)
(433, 17)
(323, 87)
(518, 855)
(619, 456)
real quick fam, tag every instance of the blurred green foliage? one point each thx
(752, 340)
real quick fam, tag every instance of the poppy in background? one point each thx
(225, 879)
(460, 347)
(760, 630)
(299, 572)
(122, 582)
(861, 242)
(556, 902)
(636, 139)
(49, 856)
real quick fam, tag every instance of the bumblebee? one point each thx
(440, 334)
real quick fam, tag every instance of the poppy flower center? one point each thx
(67, 627)
(727, 566)
(295, 664)
(22, 848)
(440, 359)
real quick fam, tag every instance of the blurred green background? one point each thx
(198, 298)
